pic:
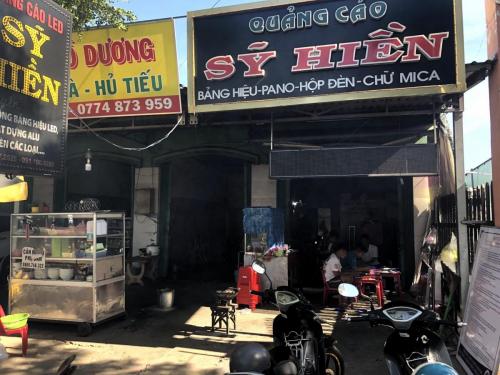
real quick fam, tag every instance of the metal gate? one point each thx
(479, 201)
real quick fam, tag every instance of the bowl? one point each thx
(41, 274)
(53, 273)
(16, 266)
(66, 273)
(227, 294)
(14, 321)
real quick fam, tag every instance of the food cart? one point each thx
(68, 267)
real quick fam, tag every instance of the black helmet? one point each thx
(250, 358)
(285, 368)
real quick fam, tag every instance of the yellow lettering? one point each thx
(50, 86)
(2, 72)
(14, 77)
(29, 82)
(38, 38)
(9, 24)
(31, 78)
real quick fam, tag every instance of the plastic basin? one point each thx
(14, 321)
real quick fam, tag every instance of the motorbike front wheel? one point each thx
(334, 362)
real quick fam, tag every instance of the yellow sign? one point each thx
(13, 189)
(125, 72)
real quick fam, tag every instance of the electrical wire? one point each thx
(215, 4)
(184, 16)
(137, 149)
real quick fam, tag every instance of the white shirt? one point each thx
(331, 267)
(370, 254)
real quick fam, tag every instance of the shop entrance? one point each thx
(379, 207)
(207, 195)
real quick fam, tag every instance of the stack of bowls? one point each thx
(53, 273)
(41, 274)
(66, 273)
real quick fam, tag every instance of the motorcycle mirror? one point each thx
(259, 267)
(348, 290)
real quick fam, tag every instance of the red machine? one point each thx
(248, 280)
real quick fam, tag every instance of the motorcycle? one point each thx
(414, 341)
(298, 333)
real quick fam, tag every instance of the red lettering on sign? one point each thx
(431, 47)
(119, 51)
(349, 54)
(17, 4)
(255, 61)
(314, 58)
(381, 51)
(219, 68)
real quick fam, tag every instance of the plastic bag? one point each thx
(449, 255)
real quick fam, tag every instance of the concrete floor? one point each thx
(178, 342)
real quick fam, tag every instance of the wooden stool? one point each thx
(375, 281)
(222, 315)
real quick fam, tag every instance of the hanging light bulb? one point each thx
(88, 164)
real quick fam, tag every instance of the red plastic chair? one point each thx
(327, 289)
(23, 332)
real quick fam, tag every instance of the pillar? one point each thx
(463, 250)
(493, 28)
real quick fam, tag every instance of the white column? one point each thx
(463, 252)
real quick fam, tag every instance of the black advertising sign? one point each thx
(298, 52)
(35, 42)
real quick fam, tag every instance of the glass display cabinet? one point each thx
(68, 267)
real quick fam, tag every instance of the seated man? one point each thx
(350, 262)
(333, 268)
(367, 253)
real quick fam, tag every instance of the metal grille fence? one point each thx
(479, 202)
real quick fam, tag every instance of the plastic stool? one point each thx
(375, 281)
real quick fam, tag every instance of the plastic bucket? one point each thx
(166, 298)
(15, 321)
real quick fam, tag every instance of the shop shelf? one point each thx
(53, 282)
(49, 259)
(63, 283)
(34, 237)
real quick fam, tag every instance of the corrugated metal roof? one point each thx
(476, 72)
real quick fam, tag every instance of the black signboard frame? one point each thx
(35, 49)
(222, 16)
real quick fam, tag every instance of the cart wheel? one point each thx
(83, 329)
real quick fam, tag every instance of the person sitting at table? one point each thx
(330, 245)
(350, 262)
(332, 267)
(367, 252)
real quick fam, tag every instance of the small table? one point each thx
(147, 263)
(393, 274)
